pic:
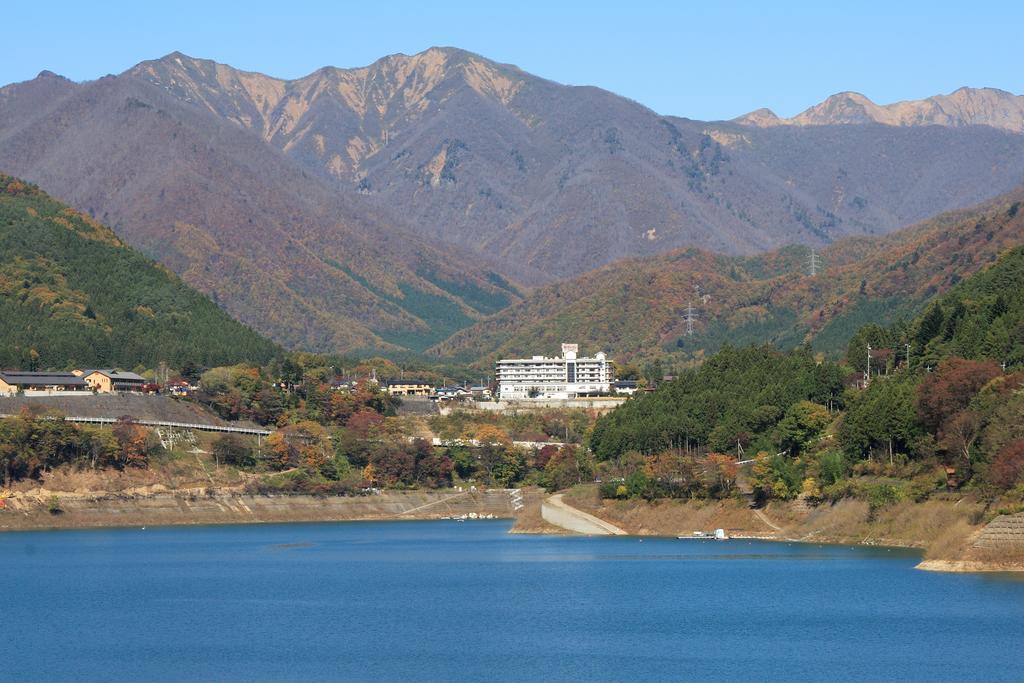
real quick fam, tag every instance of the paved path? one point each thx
(764, 518)
(556, 511)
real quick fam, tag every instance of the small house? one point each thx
(408, 387)
(108, 381)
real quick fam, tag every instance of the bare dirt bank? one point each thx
(950, 530)
(224, 506)
(969, 566)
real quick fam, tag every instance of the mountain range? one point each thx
(963, 107)
(278, 249)
(390, 206)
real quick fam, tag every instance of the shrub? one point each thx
(881, 495)
(230, 449)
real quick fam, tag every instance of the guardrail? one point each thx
(475, 443)
(161, 423)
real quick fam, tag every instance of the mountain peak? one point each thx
(176, 57)
(762, 117)
(46, 73)
(965, 106)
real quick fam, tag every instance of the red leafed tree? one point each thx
(1007, 467)
(949, 389)
(364, 423)
(393, 464)
(544, 455)
(434, 470)
(131, 441)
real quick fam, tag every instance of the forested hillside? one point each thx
(71, 293)
(939, 408)
(737, 397)
(981, 318)
(635, 308)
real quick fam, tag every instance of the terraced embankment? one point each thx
(43, 509)
(997, 547)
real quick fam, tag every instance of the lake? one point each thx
(447, 601)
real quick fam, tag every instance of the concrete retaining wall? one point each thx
(1005, 531)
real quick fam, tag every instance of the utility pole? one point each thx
(813, 263)
(908, 356)
(867, 372)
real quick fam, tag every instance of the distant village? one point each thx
(539, 378)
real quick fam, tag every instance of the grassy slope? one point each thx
(73, 293)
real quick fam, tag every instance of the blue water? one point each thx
(446, 601)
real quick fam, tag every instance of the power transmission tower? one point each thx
(690, 318)
(813, 263)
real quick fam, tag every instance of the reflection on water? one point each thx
(468, 602)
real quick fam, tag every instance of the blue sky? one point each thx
(704, 60)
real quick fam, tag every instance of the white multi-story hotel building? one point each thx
(559, 378)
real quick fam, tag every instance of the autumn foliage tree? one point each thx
(566, 468)
(394, 465)
(365, 422)
(131, 441)
(305, 444)
(1007, 467)
(950, 388)
(720, 473)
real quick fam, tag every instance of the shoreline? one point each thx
(187, 508)
(831, 525)
(943, 531)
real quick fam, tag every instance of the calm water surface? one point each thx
(446, 601)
